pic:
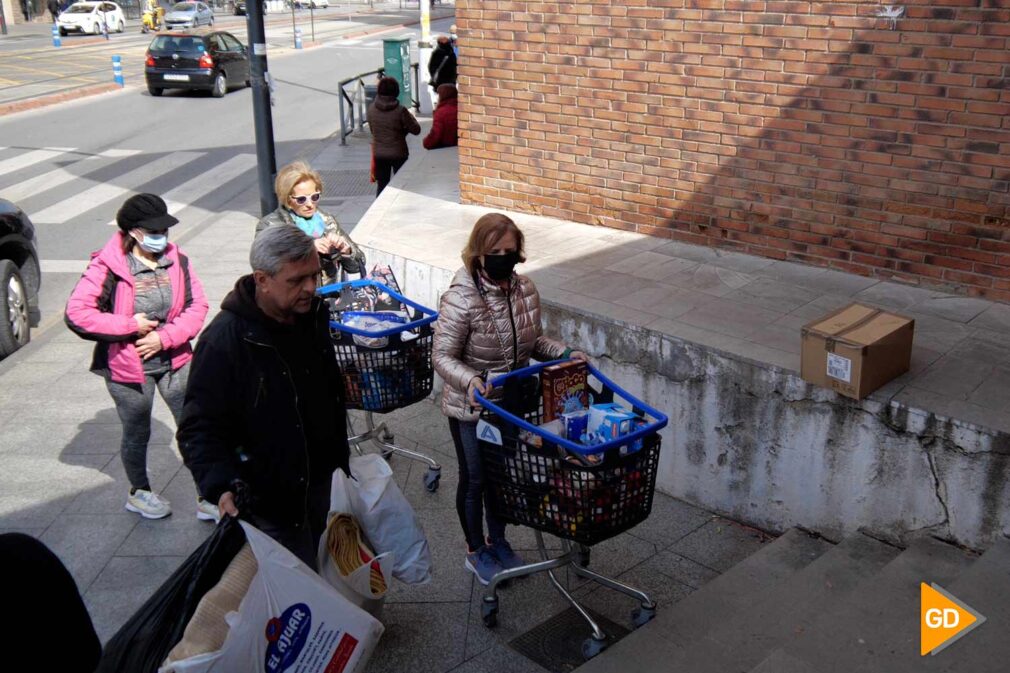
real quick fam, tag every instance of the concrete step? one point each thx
(878, 615)
(986, 588)
(780, 662)
(756, 578)
(742, 641)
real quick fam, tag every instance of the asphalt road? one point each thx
(30, 66)
(70, 166)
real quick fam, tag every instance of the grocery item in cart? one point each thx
(565, 388)
(377, 321)
(383, 300)
(610, 421)
(369, 297)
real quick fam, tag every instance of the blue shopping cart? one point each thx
(582, 494)
(384, 368)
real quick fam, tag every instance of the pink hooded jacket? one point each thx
(101, 309)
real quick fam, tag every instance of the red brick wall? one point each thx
(795, 130)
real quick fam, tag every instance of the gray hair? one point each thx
(279, 245)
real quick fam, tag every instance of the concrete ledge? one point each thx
(712, 339)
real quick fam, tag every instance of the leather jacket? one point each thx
(484, 330)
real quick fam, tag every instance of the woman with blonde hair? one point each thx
(489, 324)
(298, 190)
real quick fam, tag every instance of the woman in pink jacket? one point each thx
(141, 301)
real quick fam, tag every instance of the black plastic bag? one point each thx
(142, 644)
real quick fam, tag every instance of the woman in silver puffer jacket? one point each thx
(489, 324)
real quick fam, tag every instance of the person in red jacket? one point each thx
(444, 132)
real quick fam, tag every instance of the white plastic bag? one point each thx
(290, 620)
(356, 586)
(385, 516)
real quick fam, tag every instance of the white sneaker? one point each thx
(207, 511)
(148, 505)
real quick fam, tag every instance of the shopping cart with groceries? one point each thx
(383, 344)
(569, 453)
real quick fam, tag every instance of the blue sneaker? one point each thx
(506, 557)
(483, 564)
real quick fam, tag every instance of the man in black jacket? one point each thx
(442, 64)
(264, 405)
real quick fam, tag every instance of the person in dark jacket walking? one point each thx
(265, 403)
(442, 64)
(54, 8)
(389, 123)
(444, 131)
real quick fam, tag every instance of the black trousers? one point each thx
(300, 539)
(384, 171)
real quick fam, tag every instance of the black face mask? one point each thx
(500, 267)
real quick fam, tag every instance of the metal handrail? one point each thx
(356, 105)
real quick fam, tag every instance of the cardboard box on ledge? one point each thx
(856, 349)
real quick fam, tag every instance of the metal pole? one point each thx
(312, 19)
(343, 123)
(292, 15)
(266, 162)
(423, 56)
(3, 19)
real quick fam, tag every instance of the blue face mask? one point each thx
(154, 243)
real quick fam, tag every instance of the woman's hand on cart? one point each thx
(477, 384)
(579, 355)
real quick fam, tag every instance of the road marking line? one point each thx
(60, 176)
(103, 193)
(63, 265)
(28, 159)
(183, 195)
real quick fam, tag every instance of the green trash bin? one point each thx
(396, 61)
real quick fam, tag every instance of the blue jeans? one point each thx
(471, 498)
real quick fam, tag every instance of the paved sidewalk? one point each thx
(61, 480)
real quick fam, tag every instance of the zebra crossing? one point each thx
(72, 196)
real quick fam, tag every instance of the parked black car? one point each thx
(20, 278)
(210, 61)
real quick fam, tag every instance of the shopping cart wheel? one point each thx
(583, 557)
(431, 478)
(591, 647)
(489, 613)
(387, 454)
(642, 616)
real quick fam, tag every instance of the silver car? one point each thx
(189, 15)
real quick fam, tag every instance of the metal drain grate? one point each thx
(556, 644)
(338, 184)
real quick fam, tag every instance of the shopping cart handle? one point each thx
(430, 315)
(658, 424)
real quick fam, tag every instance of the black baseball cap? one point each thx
(145, 211)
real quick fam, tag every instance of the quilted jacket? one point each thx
(486, 330)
